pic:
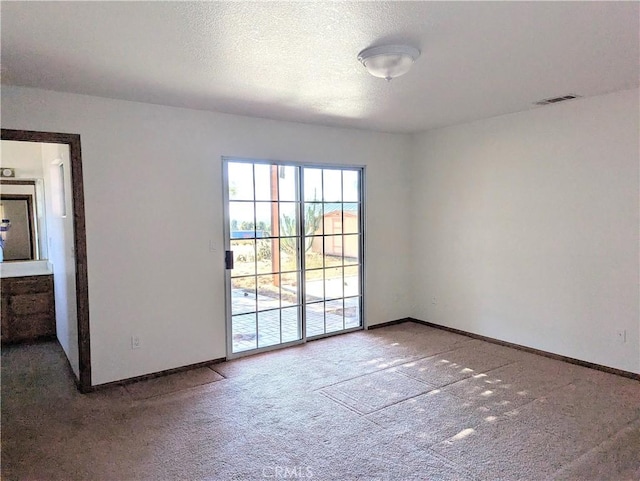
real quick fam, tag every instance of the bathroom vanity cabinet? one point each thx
(28, 308)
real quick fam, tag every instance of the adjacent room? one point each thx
(320, 240)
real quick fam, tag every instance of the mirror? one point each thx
(17, 240)
(22, 224)
(22, 203)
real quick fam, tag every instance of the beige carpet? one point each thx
(405, 402)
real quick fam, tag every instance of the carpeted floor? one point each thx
(405, 402)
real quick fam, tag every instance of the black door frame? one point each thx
(80, 240)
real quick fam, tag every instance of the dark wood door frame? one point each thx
(80, 240)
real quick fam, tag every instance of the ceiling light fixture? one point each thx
(388, 61)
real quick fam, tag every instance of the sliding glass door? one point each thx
(294, 241)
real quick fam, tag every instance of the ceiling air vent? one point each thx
(555, 100)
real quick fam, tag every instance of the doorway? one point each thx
(293, 240)
(79, 251)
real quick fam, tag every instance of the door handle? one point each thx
(228, 259)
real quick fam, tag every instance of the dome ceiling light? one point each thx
(388, 61)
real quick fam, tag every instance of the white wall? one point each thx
(526, 228)
(24, 157)
(150, 270)
(61, 246)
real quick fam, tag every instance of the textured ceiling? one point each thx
(297, 61)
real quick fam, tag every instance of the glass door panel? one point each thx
(265, 303)
(333, 239)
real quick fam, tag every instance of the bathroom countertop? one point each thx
(25, 268)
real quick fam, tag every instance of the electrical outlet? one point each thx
(212, 246)
(434, 300)
(135, 342)
(621, 336)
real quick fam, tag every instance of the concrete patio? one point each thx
(273, 325)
